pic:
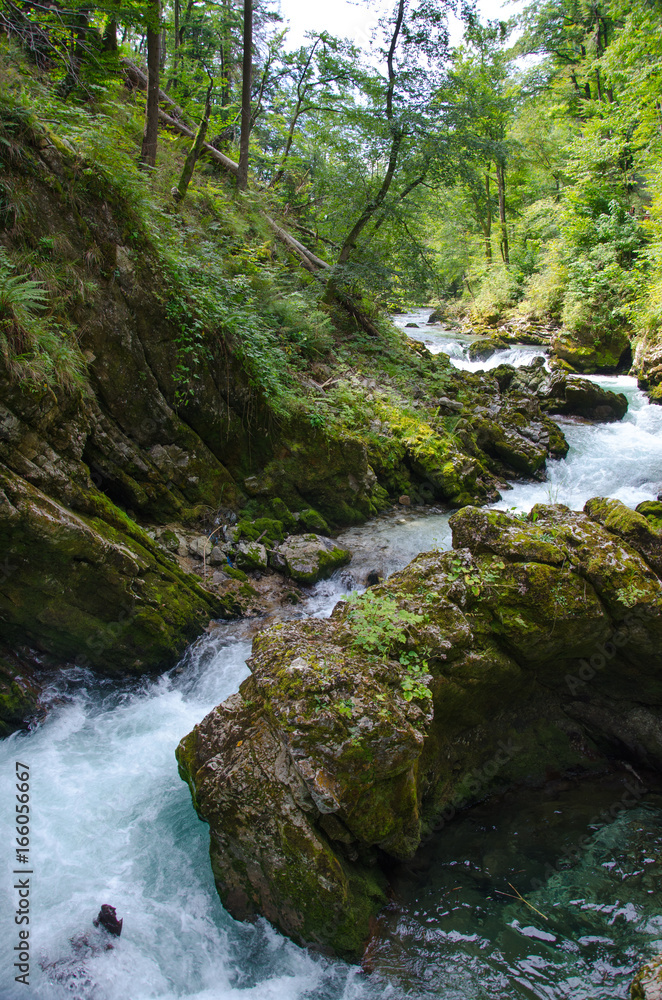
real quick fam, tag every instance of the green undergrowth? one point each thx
(223, 280)
(226, 285)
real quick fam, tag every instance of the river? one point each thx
(113, 823)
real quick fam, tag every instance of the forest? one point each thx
(506, 179)
(331, 502)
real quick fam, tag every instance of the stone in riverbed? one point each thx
(561, 393)
(308, 558)
(340, 752)
(481, 350)
(606, 352)
(250, 555)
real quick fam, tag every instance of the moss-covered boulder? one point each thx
(250, 555)
(485, 347)
(605, 352)
(308, 558)
(559, 392)
(652, 511)
(533, 646)
(647, 365)
(83, 591)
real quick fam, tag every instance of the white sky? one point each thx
(356, 19)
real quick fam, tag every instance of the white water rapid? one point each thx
(111, 822)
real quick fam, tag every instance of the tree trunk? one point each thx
(501, 182)
(247, 67)
(189, 166)
(151, 133)
(487, 227)
(397, 136)
(109, 43)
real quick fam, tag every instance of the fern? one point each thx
(19, 295)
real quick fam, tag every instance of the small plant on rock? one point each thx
(378, 624)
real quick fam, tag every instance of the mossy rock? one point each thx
(280, 512)
(235, 574)
(465, 674)
(84, 591)
(652, 511)
(594, 351)
(250, 556)
(310, 520)
(264, 529)
(310, 557)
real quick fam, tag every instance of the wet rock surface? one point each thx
(561, 393)
(533, 645)
(648, 367)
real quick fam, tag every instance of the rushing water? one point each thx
(112, 823)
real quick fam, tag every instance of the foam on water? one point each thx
(621, 460)
(441, 339)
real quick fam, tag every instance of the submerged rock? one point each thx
(533, 646)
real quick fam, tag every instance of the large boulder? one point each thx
(308, 558)
(485, 347)
(647, 365)
(532, 648)
(607, 352)
(81, 590)
(250, 555)
(561, 393)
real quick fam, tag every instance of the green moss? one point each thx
(652, 511)
(236, 574)
(310, 520)
(265, 529)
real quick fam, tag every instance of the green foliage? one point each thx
(378, 626)
(414, 683)
(377, 623)
(37, 348)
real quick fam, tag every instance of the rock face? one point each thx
(648, 366)
(533, 647)
(647, 984)
(80, 589)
